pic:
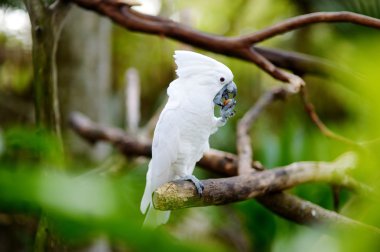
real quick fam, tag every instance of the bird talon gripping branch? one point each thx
(197, 183)
(186, 123)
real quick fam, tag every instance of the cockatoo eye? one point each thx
(221, 79)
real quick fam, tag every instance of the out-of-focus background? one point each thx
(96, 62)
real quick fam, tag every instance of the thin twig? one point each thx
(307, 19)
(310, 110)
(244, 147)
(245, 157)
(302, 63)
(335, 189)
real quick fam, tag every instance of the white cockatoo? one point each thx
(182, 132)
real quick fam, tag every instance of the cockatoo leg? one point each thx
(198, 184)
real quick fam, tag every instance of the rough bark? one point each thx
(47, 22)
(182, 194)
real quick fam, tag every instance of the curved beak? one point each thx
(232, 88)
(225, 92)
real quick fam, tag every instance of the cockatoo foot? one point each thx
(226, 102)
(228, 109)
(223, 95)
(198, 184)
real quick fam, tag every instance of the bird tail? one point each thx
(146, 199)
(155, 218)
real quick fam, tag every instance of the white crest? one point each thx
(191, 63)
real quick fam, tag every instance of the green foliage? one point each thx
(24, 147)
(11, 3)
(80, 208)
(15, 65)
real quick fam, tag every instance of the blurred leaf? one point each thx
(82, 208)
(25, 146)
(11, 3)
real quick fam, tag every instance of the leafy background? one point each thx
(85, 209)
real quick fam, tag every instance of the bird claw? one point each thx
(224, 93)
(227, 111)
(198, 184)
(226, 103)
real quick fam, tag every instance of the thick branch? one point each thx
(182, 194)
(135, 21)
(238, 47)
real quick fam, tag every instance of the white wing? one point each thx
(165, 147)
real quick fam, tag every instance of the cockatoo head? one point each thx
(205, 73)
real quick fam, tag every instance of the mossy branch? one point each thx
(182, 194)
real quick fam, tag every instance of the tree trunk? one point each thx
(47, 22)
(84, 59)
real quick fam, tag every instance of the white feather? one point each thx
(191, 63)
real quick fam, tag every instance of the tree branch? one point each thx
(244, 146)
(36, 10)
(238, 47)
(183, 194)
(307, 19)
(135, 21)
(301, 63)
(310, 110)
(304, 212)
(287, 206)
(217, 161)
